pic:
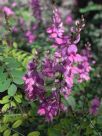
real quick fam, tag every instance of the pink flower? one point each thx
(8, 11)
(15, 29)
(69, 19)
(50, 106)
(14, 4)
(34, 83)
(59, 41)
(30, 37)
(72, 49)
(56, 30)
(66, 92)
(41, 111)
(95, 103)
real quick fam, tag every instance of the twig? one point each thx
(16, 131)
(7, 22)
(8, 29)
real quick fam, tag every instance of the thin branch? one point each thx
(16, 131)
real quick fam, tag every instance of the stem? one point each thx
(8, 29)
(59, 95)
(53, 2)
(98, 133)
(7, 22)
(16, 131)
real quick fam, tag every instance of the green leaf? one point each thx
(91, 7)
(25, 15)
(3, 76)
(35, 133)
(12, 90)
(13, 104)
(7, 132)
(71, 102)
(1, 70)
(17, 74)
(15, 134)
(11, 118)
(99, 120)
(11, 63)
(18, 81)
(4, 86)
(53, 132)
(3, 127)
(18, 98)
(17, 124)
(64, 102)
(5, 107)
(4, 100)
(5, 119)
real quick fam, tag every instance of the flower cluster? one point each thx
(54, 78)
(30, 37)
(35, 4)
(51, 106)
(56, 31)
(34, 83)
(95, 103)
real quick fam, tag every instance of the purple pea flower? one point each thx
(30, 36)
(8, 11)
(35, 4)
(69, 19)
(95, 103)
(50, 107)
(34, 83)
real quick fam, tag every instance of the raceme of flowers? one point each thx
(52, 79)
(35, 4)
(94, 107)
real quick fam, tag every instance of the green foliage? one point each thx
(18, 98)
(5, 107)
(17, 124)
(71, 102)
(12, 90)
(16, 134)
(13, 66)
(35, 133)
(7, 132)
(53, 132)
(91, 7)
